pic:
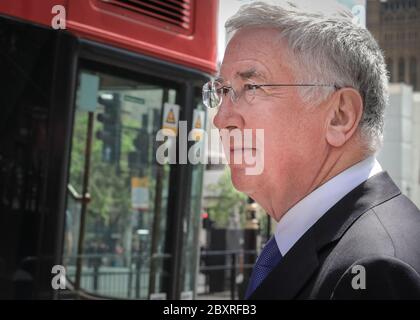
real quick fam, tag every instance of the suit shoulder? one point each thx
(390, 229)
(400, 219)
(378, 277)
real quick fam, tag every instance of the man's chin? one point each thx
(240, 180)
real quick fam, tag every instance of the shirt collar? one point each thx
(304, 214)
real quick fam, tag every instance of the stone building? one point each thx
(396, 26)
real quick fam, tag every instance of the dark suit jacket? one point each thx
(374, 226)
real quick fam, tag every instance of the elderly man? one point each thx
(316, 83)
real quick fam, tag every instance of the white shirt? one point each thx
(304, 214)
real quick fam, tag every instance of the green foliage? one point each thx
(109, 187)
(228, 198)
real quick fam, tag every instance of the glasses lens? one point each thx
(212, 97)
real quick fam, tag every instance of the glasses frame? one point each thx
(235, 97)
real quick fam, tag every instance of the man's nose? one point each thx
(218, 121)
(225, 114)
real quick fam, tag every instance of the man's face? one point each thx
(294, 139)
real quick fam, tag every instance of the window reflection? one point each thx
(125, 196)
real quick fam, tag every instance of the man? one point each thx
(316, 83)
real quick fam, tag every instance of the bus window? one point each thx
(116, 189)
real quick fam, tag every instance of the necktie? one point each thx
(268, 259)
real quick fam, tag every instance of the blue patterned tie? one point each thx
(268, 259)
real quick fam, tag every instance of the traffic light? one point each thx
(139, 159)
(111, 130)
(207, 222)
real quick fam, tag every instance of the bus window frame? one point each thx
(86, 52)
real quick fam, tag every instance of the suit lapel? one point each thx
(301, 262)
(293, 271)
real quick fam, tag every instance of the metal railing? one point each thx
(110, 275)
(115, 276)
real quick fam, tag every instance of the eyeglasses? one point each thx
(213, 91)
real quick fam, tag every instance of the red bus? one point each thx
(85, 209)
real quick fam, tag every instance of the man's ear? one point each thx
(344, 116)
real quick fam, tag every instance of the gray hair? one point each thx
(327, 47)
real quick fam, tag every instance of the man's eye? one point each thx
(250, 86)
(223, 91)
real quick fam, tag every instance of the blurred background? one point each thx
(85, 87)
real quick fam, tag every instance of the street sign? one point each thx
(140, 193)
(170, 119)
